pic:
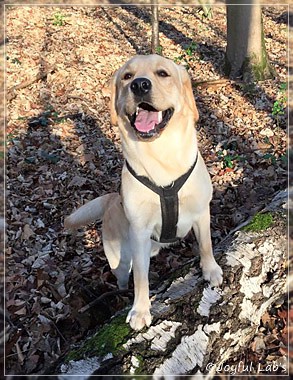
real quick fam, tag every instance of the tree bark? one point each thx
(246, 54)
(197, 328)
(155, 48)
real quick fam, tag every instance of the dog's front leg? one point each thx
(140, 315)
(212, 272)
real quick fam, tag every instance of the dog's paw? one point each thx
(213, 273)
(139, 319)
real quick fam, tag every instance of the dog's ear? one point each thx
(187, 92)
(113, 96)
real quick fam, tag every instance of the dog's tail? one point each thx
(90, 212)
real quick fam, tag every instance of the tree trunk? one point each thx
(197, 328)
(246, 54)
(155, 28)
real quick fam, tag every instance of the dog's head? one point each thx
(147, 92)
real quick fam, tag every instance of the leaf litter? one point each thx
(62, 152)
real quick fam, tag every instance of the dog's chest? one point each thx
(179, 225)
(169, 203)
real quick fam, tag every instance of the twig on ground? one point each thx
(214, 82)
(102, 297)
(11, 93)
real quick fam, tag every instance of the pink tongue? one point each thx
(146, 120)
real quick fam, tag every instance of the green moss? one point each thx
(256, 67)
(138, 372)
(260, 65)
(108, 339)
(259, 222)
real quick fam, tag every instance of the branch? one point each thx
(102, 297)
(11, 93)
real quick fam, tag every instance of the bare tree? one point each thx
(155, 27)
(246, 54)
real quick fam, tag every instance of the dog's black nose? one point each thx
(140, 86)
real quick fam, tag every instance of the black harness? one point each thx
(169, 202)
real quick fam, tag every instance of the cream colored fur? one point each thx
(130, 219)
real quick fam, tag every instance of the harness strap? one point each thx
(169, 201)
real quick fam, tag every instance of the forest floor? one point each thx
(62, 151)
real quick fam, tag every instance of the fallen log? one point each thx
(197, 328)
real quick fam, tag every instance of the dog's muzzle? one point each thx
(147, 121)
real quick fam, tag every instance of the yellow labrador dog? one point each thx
(166, 188)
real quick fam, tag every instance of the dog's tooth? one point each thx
(160, 116)
(137, 109)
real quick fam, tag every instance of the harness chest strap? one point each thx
(168, 200)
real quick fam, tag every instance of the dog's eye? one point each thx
(127, 76)
(162, 73)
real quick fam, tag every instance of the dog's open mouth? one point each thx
(149, 122)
